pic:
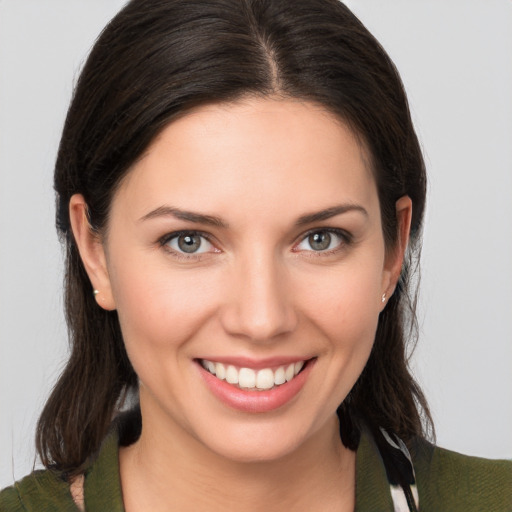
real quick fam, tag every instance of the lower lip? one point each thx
(256, 401)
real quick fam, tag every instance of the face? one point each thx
(245, 257)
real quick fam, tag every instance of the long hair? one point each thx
(154, 62)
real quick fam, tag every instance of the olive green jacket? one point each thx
(446, 481)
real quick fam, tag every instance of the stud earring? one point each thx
(95, 292)
(383, 297)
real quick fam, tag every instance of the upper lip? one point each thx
(256, 364)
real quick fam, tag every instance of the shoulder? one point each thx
(43, 491)
(100, 487)
(447, 480)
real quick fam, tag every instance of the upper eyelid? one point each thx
(337, 231)
(163, 240)
(174, 234)
(345, 242)
(329, 229)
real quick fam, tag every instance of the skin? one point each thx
(257, 289)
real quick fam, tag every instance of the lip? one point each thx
(256, 364)
(256, 401)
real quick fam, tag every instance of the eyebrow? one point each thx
(199, 218)
(328, 213)
(211, 220)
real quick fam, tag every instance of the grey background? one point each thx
(455, 60)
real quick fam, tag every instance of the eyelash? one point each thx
(164, 241)
(345, 237)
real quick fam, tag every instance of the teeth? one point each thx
(265, 379)
(279, 376)
(220, 371)
(289, 372)
(248, 378)
(231, 375)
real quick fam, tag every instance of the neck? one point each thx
(167, 468)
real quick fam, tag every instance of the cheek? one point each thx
(343, 309)
(159, 309)
(345, 302)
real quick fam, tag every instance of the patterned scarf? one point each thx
(399, 470)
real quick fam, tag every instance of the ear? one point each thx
(395, 256)
(92, 252)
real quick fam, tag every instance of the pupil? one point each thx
(189, 243)
(320, 241)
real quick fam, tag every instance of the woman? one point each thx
(241, 193)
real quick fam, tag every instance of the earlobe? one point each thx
(395, 257)
(91, 252)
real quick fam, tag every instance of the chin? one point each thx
(256, 450)
(262, 440)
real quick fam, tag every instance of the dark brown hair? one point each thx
(156, 60)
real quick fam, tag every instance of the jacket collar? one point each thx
(102, 488)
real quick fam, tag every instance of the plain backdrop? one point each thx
(455, 58)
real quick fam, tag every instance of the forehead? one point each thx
(257, 153)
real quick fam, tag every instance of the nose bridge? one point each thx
(260, 306)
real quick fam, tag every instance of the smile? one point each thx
(253, 380)
(255, 386)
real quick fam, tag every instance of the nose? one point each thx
(259, 304)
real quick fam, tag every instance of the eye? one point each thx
(322, 240)
(188, 242)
